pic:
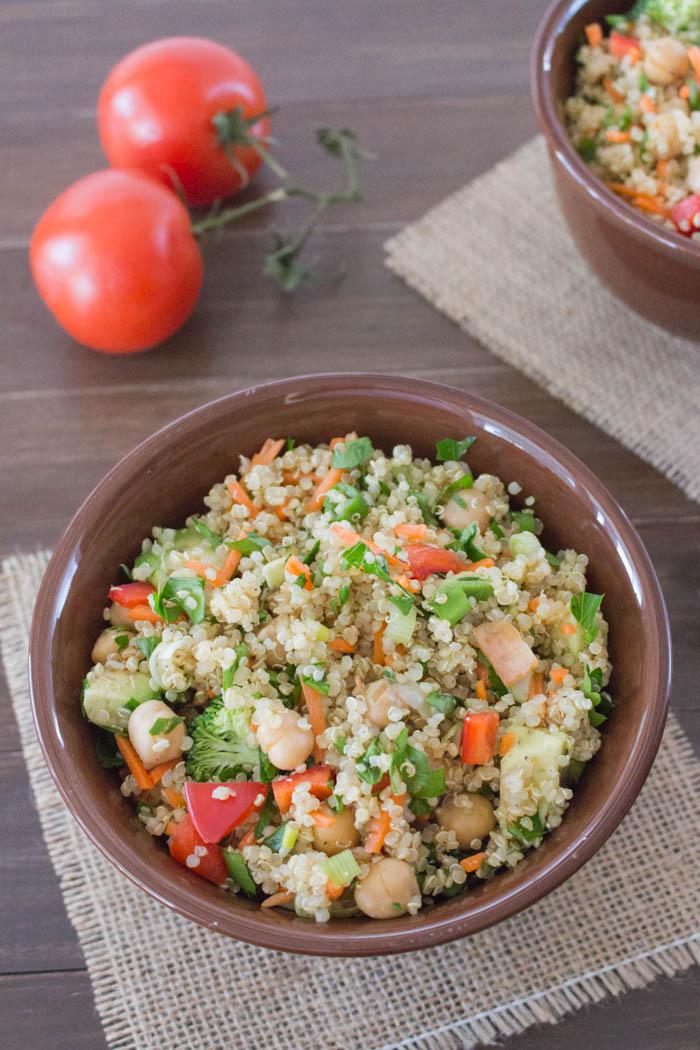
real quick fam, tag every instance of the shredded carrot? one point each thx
(484, 563)
(281, 511)
(175, 799)
(229, 567)
(339, 645)
(482, 672)
(568, 628)
(315, 501)
(378, 654)
(684, 92)
(624, 191)
(240, 495)
(201, 569)
(694, 56)
(321, 819)
(481, 690)
(248, 839)
(348, 537)
(144, 612)
(617, 136)
(472, 863)
(269, 452)
(533, 603)
(635, 55)
(411, 531)
(295, 567)
(334, 442)
(594, 34)
(334, 892)
(378, 831)
(647, 104)
(317, 714)
(156, 774)
(290, 477)
(399, 800)
(536, 684)
(171, 827)
(649, 204)
(136, 766)
(615, 95)
(507, 742)
(283, 897)
(558, 674)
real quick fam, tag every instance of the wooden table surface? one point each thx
(439, 92)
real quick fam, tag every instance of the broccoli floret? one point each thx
(221, 748)
(674, 15)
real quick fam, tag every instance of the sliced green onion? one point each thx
(524, 519)
(341, 869)
(458, 591)
(443, 702)
(400, 626)
(238, 870)
(290, 836)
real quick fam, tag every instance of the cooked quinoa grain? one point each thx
(358, 682)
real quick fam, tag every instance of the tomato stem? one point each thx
(217, 219)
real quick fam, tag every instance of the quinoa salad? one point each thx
(357, 683)
(635, 114)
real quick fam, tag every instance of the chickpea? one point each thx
(119, 616)
(475, 821)
(276, 655)
(693, 176)
(456, 516)
(341, 834)
(382, 695)
(285, 742)
(665, 60)
(385, 891)
(106, 644)
(148, 747)
(665, 127)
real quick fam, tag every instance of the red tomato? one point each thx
(479, 734)
(155, 113)
(182, 842)
(115, 261)
(686, 215)
(131, 594)
(621, 45)
(319, 778)
(214, 817)
(425, 560)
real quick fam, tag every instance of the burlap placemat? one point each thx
(497, 258)
(160, 981)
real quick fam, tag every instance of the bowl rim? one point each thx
(555, 18)
(262, 928)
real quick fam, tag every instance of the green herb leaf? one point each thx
(584, 608)
(313, 551)
(268, 814)
(289, 444)
(163, 726)
(268, 772)
(465, 542)
(108, 755)
(496, 529)
(345, 503)
(248, 544)
(426, 508)
(212, 537)
(587, 149)
(465, 482)
(121, 641)
(444, 702)
(176, 597)
(552, 559)
(343, 595)
(452, 449)
(274, 841)
(146, 645)
(524, 519)
(402, 602)
(239, 872)
(528, 835)
(229, 673)
(321, 686)
(336, 804)
(368, 773)
(353, 453)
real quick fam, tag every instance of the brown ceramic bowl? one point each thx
(654, 270)
(163, 481)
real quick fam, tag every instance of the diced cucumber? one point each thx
(155, 564)
(400, 626)
(273, 573)
(570, 633)
(185, 539)
(105, 696)
(534, 759)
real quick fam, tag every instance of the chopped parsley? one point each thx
(180, 594)
(352, 454)
(146, 645)
(443, 702)
(229, 672)
(587, 149)
(248, 544)
(452, 449)
(584, 608)
(319, 684)
(465, 542)
(211, 537)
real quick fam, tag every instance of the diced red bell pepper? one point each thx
(425, 560)
(131, 594)
(686, 215)
(319, 779)
(621, 45)
(182, 842)
(215, 817)
(479, 734)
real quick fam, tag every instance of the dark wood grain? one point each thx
(439, 93)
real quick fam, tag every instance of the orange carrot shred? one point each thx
(472, 863)
(534, 603)
(144, 612)
(411, 531)
(684, 92)
(378, 654)
(348, 537)
(612, 135)
(156, 774)
(295, 567)
(248, 839)
(175, 799)
(647, 104)
(558, 674)
(480, 690)
(333, 891)
(536, 684)
(615, 95)
(241, 495)
(283, 897)
(484, 563)
(269, 452)
(507, 742)
(136, 767)
(594, 34)
(378, 831)
(315, 501)
(339, 645)
(568, 628)
(317, 714)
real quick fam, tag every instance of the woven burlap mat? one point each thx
(497, 258)
(160, 982)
